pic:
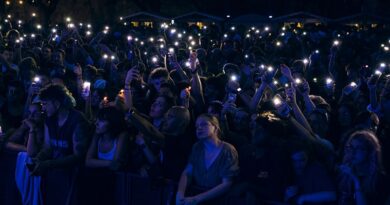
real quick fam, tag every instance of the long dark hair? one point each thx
(115, 119)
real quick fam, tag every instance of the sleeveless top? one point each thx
(61, 137)
(109, 155)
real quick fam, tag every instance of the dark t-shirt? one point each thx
(315, 178)
(224, 166)
(267, 174)
(377, 197)
(175, 155)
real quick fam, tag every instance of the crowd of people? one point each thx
(293, 114)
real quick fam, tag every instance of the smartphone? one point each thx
(232, 97)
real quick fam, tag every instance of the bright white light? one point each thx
(37, 79)
(378, 72)
(232, 28)
(129, 38)
(353, 84)
(298, 81)
(305, 61)
(329, 81)
(173, 31)
(382, 65)
(266, 28)
(233, 78)
(176, 43)
(270, 69)
(336, 42)
(317, 51)
(68, 19)
(171, 50)
(225, 35)
(277, 101)
(154, 59)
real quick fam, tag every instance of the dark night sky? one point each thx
(103, 9)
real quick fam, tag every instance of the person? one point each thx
(65, 144)
(109, 143)
(175, 140)
(29, 136)
(312, 183)
(106, 153)
(212, 165)
(362, 180)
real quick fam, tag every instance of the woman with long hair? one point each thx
(363, 180)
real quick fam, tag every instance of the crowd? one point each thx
(275, 114)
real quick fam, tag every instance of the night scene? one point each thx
(194, 102)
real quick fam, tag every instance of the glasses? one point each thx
(350, 148)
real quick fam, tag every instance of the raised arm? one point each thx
(291, 95)
(256, 99)
(196, 87)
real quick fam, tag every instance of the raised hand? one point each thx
(132, 74)
(286, 71)
(291, 95)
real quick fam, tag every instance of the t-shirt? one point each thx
(225, 165)
(267, 175)
(315, 178)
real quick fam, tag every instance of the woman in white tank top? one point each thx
(109, 143)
